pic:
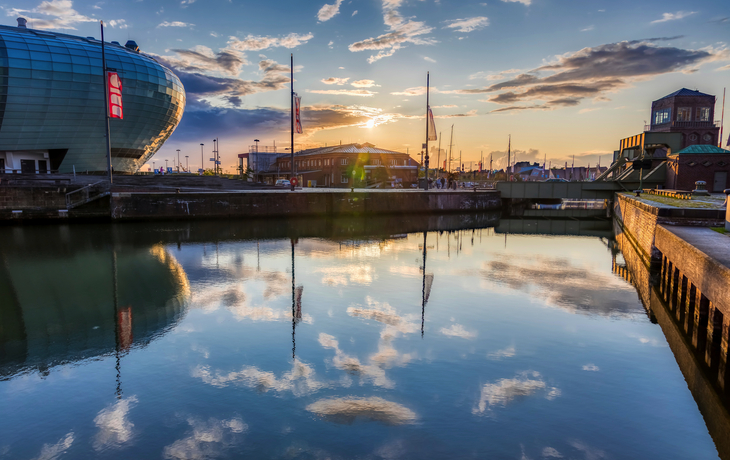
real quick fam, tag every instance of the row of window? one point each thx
(683, 114)
(330, 162)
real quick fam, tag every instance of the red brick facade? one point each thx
(691, 113)
(683, 170)
(334, 167)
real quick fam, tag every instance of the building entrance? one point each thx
(27, 166)
(720, 181)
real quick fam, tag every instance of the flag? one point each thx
(431, 126)
(115, 95)
(297, 114)
(480, 167)
(444, 165)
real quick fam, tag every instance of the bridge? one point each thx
(566, 190)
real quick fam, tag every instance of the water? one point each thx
(193, 341)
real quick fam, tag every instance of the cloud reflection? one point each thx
(457, 330)
(301, 380)
(207, 440)
(53, 451)
(508, 352)
(347, 410)
(114, 428)
(505, 391)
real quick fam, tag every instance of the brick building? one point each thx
(334, 167)
(688, 112)
(698, 162)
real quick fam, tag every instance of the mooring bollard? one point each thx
(727, 209)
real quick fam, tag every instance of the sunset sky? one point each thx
(563, 78)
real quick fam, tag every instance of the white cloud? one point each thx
(331, 44)
(114, 428)
(588, 110)
(327, 11)
(467, 25)
(504, 391)
(175, 24)
(119, 23)
(347, 410)
(53, 451)
(363, 83)
(426, 58)
(185, 3)
(344, 92)
(457, 330)
(335, 81)
(591, 367)
(61, 12)
(207, 440)
(673, 16)
(508, 352)
(354, 13)
(588, 29)
(550, 452)
(524, 2)
(257, 42)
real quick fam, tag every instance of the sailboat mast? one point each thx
(509, 156)
(451, 145)
(428, 90)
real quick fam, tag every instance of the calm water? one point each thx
(194, 341)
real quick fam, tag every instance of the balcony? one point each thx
(669, 126)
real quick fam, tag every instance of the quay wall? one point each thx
(145, 206)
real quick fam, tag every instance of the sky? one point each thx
(563, 78)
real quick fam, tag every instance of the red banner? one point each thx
(297, 114)
(115, 95)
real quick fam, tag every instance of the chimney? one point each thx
(22, 22)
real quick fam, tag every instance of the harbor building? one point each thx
(52, 110)
(334, 166)
(690, 113)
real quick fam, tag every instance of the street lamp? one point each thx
(202, 162)
(215, 155)
(178, 160)
(165, 165)
(153, 166)
(187, 165)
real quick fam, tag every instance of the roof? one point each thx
(686, 92)
(346, 148)
(702, 148)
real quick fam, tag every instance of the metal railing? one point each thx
(682, 124)
(87, 194)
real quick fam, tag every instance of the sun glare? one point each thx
(370, 123)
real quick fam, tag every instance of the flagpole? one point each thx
(106, 106)
(428, 81)
(722, 120)
(291, 97)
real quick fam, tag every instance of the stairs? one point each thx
(87, 194)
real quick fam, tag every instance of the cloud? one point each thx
(471, 113)
(363, 84)
(524, 2)
(592, 72)
(54, 451)
(327, 11)
(588, 29)
(258, 42)
(347, 410)
(114, 427)
(207, 440)
(673, 16)
(414, 91)
(335, 81)
(185, 3)
(448, 106)
(119, 23)
(344, 92)
(467, 25)
(508, 352)
(203, 59)
(550, 452)
(591, 367)
(61, 15)
(175, 24)
(457, 330)
(505, 391)
(401, 32)
(354, 13)
(426, 58)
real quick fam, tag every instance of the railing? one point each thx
(682, 124)
(87, 194)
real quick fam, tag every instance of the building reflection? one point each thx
(686, 334)
(57, 307)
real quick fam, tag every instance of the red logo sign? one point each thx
(115, 95)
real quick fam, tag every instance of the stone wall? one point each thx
(143, 206)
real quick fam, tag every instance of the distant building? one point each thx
(334, 166)
(698, 162)
(688, 112)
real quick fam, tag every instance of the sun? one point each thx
(370, 123)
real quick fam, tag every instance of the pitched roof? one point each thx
(346, 148)
(702, 148)
(686, 92)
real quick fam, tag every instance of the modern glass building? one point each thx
(52, 103)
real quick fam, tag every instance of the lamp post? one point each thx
(153, 166)
(215, 155)
(202, 162)
(178, 160)
(187, 164)
(165, 165)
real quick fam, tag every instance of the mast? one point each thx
(428, 89)
(291, 97)
(438, 157)
(722, 120)
(106, 105)
(490, 165)
(509, 155)
(451, 145)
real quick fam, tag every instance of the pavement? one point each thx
(715, 245)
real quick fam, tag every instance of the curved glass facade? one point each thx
(52, 102)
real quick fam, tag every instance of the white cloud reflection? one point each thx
(508, 352)
(53, 451)
(347, 410)
(457, 330)
(114, 427)
(207, 439)
(505, 391)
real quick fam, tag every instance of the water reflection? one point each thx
(348, 410)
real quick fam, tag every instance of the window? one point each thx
(684, 114)
(42, 166)
(2, 165)
(344, 161)
(375, 162)
(703, 114)
(393, 162)
(345, 178)
(662, 116)
(405, 162)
